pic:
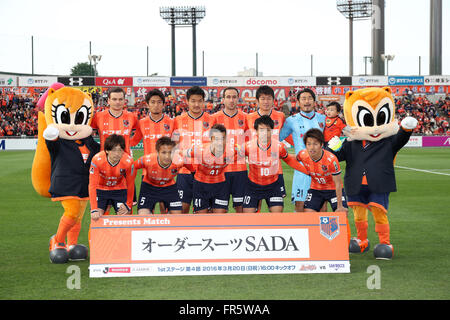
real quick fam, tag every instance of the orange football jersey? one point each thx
(208, 167)
(107, 124)
(157, 175)
(333, 127)
(104, 176)
(278, 119)
(189, 131)
(236, 126)
(264, 163)
(153, 130)
(322, 170)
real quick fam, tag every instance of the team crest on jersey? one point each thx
(166, 127)
(174, 171)
(275, 123)
(205, 124)
(126, 123)
(122, 172)
(329, 227)
(240, 122)
(324, 168)
(321, 125)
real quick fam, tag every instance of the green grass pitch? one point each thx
(419, 216)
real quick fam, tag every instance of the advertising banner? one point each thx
(404, 80)
(334, 81)
(77, 81)
(18, 144)
(370, 81)
(209, 244)
(8, 81)
(37, 81)
(187, 81)
(437, 80)
(225, 81)
(437, 141)
(114, 81)
(151, 81)
(414, 141)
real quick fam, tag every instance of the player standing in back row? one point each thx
(235, 121)
(117, 120)
(191, 128)
(297, 125)
(266, 97)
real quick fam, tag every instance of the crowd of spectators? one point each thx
(18, 116)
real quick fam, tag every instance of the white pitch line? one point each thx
(427, 171)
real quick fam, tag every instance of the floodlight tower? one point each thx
(354, 10)
(183, 16)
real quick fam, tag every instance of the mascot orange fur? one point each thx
(61, 163)
(373, 140)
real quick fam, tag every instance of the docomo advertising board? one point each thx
(213, 244)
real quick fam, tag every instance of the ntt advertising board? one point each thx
(370, 81)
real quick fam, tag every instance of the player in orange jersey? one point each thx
(210, 160)
(333, 123)
(117, 120)
(325, 172)
(111, 179)
(265, 97)
(191, 128)
(158, 185)
(263, 154)
(156, 124)
(235, 121)
(326, 182)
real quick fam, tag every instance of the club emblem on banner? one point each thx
(329, 227)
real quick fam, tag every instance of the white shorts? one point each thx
(300, 186)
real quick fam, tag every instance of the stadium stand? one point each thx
(18, 116)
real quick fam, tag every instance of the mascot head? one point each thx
(370, 113)
(71, 111)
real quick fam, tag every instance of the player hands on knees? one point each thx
(111, 179)
(158, 184)
(210, 192)
(324, 169)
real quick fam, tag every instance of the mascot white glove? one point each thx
(409, 123)
(335, 143)
(51, 133)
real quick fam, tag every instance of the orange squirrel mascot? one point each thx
(61, 164)
(374, 138)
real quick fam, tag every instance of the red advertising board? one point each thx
(114, 81)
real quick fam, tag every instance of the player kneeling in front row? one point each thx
(210, 192)
(325, 172)
(264, 153)
(111, 179)
(158, 184)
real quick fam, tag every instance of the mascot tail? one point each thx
(41, 168)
